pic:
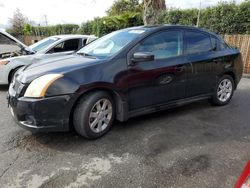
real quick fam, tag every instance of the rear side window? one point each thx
(197, 42)
(218, 44)
(163, 45)
(68, 45)
(71, 45)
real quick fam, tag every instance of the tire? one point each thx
(91, 120)
(223, 91)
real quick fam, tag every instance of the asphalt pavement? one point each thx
(196, 145)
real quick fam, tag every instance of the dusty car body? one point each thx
(127, 73)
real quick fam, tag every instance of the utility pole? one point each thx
(46, 21)
(199, 14)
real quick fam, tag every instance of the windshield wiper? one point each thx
(86, 55)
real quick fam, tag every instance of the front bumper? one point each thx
(42, 115)
(4, 72)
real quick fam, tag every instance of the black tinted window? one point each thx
(197, 42)
(163, 45)
(71, 45)
(68, 45)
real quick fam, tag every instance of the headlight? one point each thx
(39, 86)
(4, 62)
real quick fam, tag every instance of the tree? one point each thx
(27, 29)
(152, 11)
(18, 21)
(124, 6)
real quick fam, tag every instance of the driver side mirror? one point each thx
(142, 57)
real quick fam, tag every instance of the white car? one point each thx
(50, 47)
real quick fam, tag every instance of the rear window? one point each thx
(219, 44)
(197, 42)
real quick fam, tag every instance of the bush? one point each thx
(52, 30)
(105, 25)
(225, 18)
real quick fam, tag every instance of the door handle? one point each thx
(217, 60)
(180, 68)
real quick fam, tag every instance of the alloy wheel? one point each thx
(224, 90)
(100, 115)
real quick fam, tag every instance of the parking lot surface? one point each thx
(196, 145)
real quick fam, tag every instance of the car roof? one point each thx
(166, 26)
(72, 36)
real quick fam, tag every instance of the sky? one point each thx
(73, 11)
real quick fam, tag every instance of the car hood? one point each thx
(14, 39)
(59, 65)
(35, 58)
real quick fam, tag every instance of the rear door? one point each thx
(201, 54)
(163, 79)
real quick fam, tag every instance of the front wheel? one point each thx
(224, 91)
(94, 115)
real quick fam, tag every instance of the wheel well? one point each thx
(115, 96)
(11, 72)
(233, 76)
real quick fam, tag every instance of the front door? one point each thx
(162, 79)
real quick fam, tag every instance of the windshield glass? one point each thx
(110, 44)
(43, 44)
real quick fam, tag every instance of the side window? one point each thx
(223, 45)
(219, 44)
(163, 45)
(197, 42)
(68, 45)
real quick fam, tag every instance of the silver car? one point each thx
(50, 47)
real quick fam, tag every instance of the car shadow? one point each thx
(191, 125)
(4, 87)
(123, 133)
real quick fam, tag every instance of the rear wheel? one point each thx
(94, 115)
(223, 91)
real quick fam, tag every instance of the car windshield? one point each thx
(110, 44)
(43, 44)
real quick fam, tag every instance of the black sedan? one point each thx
(124, 74)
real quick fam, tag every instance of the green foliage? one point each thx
(183, 17)
(105, 25)
(124, 6)
(27, 29)
(225, 18)
(54, 30)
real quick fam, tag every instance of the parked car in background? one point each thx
(47, 48)
(124, 74)
(11, 47)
